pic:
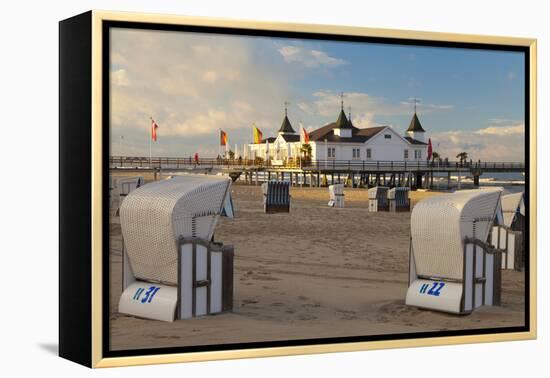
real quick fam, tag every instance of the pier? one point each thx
(354, 173)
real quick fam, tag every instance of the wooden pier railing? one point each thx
(120, 162)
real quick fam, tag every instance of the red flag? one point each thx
(305, 135)
(223, 138)
(429, 148)
(154, 128)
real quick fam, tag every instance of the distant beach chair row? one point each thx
(382, 198)
(276, 195)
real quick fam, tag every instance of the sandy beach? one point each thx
(315, 272)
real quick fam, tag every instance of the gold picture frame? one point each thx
(92, 24)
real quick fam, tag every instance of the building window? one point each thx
(331, 153)
(418, 154)
(387, 136)
(406, 154)
(356, 153)
(369, 153)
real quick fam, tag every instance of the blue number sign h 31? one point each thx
(149, 294)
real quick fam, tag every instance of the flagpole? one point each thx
(151, 144)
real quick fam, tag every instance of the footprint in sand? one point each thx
(248, 301)
(306, 317)
(302, 298)
(277, 304)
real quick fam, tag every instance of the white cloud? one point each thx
(492, 143)
(502, 130)
(309, 57)
(193, 85)
(120, 77)
(364, 107)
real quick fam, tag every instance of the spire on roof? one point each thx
(286, 127)
(343, 122)
(415, 125)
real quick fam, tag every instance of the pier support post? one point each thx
(257, 177)
(476, 180)
(318, 180)
(418, 183)
(311, 180)
(449, 180)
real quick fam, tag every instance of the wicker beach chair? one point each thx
(378, 199)
(167, 228)
(336, 193)
(508, 235)
(276, 196)
(120, 187)
(452, 267)
(398, 199)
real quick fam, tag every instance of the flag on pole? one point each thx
(430, 149)
(304, 135)
(154, 128)
(223, 138)
(257, 135)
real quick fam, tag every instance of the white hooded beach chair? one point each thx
(172, 268)
(508, 235)
(452, 267)
(276, 196)
(378, 199)
(120, 187)
(336, 193)
(398, 199)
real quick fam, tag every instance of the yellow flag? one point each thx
(257, 135)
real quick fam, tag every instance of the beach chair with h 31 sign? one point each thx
(172, 269)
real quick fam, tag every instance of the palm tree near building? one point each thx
(305, 151)
(462, 157)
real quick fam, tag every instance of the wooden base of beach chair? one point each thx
(480, 285)
(375, 206)
(272, 209)
(395, 208)
(205, 285)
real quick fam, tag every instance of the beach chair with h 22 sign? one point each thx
(276, 197)
(172, 269)
(452, 268)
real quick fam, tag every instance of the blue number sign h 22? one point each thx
(149, 294)
(434, 290)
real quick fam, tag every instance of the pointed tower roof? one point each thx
(415, 125)
(343, 122)
(286, 127)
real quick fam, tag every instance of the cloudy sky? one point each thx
(194, 84)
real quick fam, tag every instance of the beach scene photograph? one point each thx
(276, 189)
